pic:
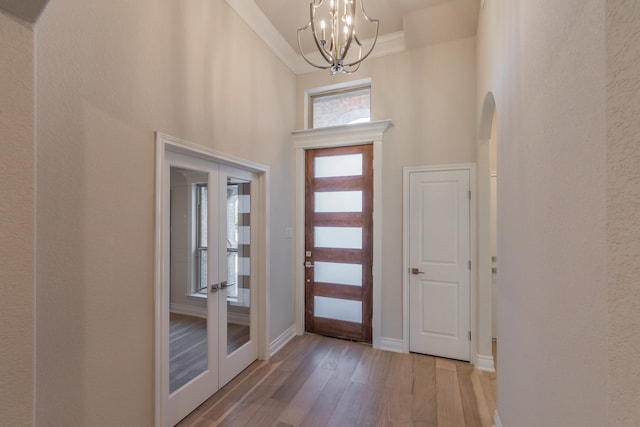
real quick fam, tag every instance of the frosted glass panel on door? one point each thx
(345, 165)
(338, 201)
(338, 237)
(338, 309)
(338, 273)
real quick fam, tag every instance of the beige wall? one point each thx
(17, 223)
(623, 210)
(545, 64)
(109, 75)
(429, 94)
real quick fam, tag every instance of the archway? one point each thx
(487, 232)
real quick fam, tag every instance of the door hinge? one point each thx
(469, 335)
(469, 264)
(469, 194)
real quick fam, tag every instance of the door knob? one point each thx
(309, 264)
(215, 288)
(414, 270)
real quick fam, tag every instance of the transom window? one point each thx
(340, 107)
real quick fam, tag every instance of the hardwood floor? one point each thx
(318, 381)
(188, 347)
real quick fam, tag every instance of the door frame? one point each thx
(164, 143)
(473, 303)
(340, 136)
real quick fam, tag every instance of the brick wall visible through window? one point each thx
(340, 107)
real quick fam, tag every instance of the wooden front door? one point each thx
(339, 242)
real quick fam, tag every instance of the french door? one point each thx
(208, 299)
(338, 242)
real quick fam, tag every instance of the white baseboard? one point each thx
(239, 319)
(188, 310)
(282, 340)
(391, 344)
(496, 421)
(484, 363)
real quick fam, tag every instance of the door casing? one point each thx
(166, 143)
(340, 136)
(471, 167)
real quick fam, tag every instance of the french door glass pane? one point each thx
(188, 347)
(338, 237)
(338, 273)
(338, 201)
(343, 165)
(238, 263)
(338, 309)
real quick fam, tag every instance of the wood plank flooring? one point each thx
(188, 347)
(316, 381)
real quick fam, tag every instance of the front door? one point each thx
(338, 242)
(439, 260)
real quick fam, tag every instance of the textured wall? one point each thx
(109, 75)
(429, 95)
(545, 63)
(17, 225)
(623, 210)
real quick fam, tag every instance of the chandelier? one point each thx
(336, 37)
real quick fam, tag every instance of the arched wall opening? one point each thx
(487, 232)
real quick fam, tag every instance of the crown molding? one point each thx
(249, 11)
(341, 135)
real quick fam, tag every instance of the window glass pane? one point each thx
(202, 271)
(338, 237)
(338, 309)
(202, 214)
(341, 108)
(345, 165)
(338, 273)
(338, 201)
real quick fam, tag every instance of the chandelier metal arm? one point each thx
(375, 38)
(324, 67)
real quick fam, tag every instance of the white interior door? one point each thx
(209, 318)
(439, 260)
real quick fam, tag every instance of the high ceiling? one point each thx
(27, 10)
(404, 24)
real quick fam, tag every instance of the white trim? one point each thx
(496, 420)
(188, 310)
(282, 340)
(391, 344)
(340, 136)
(166, 143)
(251, 13)
(471, 167)
(239, 318)
(484, 363)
